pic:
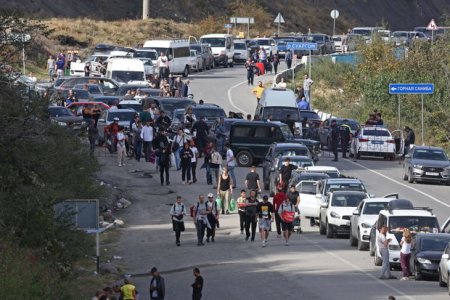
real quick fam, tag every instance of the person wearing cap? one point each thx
(213, 218)
(121, 149)
(157, 285)
(177, 213)
(265, 214)
(127, 290)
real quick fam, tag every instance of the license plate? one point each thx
(432, 173)
(378, 142)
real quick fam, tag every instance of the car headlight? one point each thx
(418, 166)
(334, 215)
(423, 260)
(62, 124)
(394, 247)
(365, 225)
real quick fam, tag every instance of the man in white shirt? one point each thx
(121, 149)
(231, 163)
(163, 65)
(147, 139)
(383, 245)
(201, 212)
(307, 83)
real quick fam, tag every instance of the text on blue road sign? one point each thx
(301, 46)
(411, 88)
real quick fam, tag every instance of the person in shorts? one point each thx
(265, 214)
(287, 225)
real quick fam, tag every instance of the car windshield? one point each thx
(308, 187)
(345, 186)
(363, 32)
(294, 152)
(214, 42)
(209, 113)
(414, 224)
(434, 243)
(59, 112)
(287, 133)
(280, 113)
(92, 89)
(136, 106)
(158, 50)
(263, 42)
(240, 46)
(349, 200)
(171, 105)
(429, 154)
(122, 115)
(310, 115)
(298, 162)
(373, 208)
(146, 54)
(353, 125)
(82, 94)
(124, 89)
(315, 38)
(127, 76)
(375, 132)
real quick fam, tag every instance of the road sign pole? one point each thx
(278, 34)
(248, 28)
(399, 123)
(432, 37)
(97, 241)
(423, 142)
(334, 26)
(310, 62)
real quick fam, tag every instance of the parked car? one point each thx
(426, 254)
(444, 268)
(427, 164)
(131, 104)
(335, 213)
(325, 44)
(363, 218)
(77, 107)
(107, 117)
(274, 172)
(211, 113)
(375, 141)
(196, 61)
(109, 86)
(302, 175)
(398, 215)
(64, 117)
(93, 89)
(332, 172)
(206, 54)
(169, 104)
(241, 53)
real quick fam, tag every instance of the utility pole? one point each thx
(145, 9)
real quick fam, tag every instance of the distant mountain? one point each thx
(299, 14)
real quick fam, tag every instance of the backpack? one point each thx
(216, 158)
(193, 209)
(182, 210)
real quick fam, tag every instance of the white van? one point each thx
(148, 57)
(125, 70)
(222, 46)
(95, 60)
(177, 51)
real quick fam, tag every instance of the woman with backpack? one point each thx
(286, 211)
(177, 213)
(251, 212)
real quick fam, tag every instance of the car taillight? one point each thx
(361, 140)
(391, 141)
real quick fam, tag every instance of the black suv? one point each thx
(250, 140)
(281, 149)
(426, 163)
(211, 112)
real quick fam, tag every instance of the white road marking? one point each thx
(350, 264)
(402, 184)
(230, 99)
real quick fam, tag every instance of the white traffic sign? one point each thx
(241, 20)
(334, 14)
(432, 25)
(279, 19)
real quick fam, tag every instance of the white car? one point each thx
(269, 44)
(333, 172)
(363, 218)
(376, 141)
(309, 205)
(336, 212)
(195, 61)
(444, 266)
(241, 53)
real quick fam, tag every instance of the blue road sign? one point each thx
(301, 46)
(411, 88)
(228, 25)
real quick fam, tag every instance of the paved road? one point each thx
(312, 267)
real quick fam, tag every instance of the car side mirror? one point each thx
(445, 256)
(356, 213)
(324, 204)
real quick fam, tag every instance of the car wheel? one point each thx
(417, 274)
(410, 177)
(244, 159)
(358, 155)
(392, 157)
(352, 240)
(198, 68)
(329, 231)
(377, 261)
(225, 63)
(322, 229)
(371, 249)
(186, 72)
(441, 283)
(231, 64)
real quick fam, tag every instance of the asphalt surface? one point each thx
(311, 267)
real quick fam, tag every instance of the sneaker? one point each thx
(252, 240)
(286, 244)
(207, 240)
(242, 231)
(279, 236)
(263, 244)
(168, 183)
(404, 278)
(212, 240)
(392, 277)
(123, 165)
(382, 278)
(120, 165)
(194, 181)
(228, 212)
(246, 238)
(178, 243)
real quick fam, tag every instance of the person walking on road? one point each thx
(251, 213)
(137, 128)
(177, 145)
(276, 62)
(345, 131)
(163, 66)
(250, 66)
(93, 137)
(410, 139)
(265, 212)
(194, 158)
(288, 59)
(201, 212)
(128, 290)
(258, 91)
(287, 215)
(225, 190)
(231, 163)
(405, 253)
(147, 139)
(278, 199)
(334, 139)
(121, 149)
(286, 173)
(197, 286)
(157, 285)
(307, 83)
(383, 244)
(201, 130)
(163, 146)
(186, 160)
(51, 68)
(177, 213)
(215, 164)
(241, 209)
(207, 163)
(213, 218)
(252, 180)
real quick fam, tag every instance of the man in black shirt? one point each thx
(334, 139)
(197, 286)
(202, 130)
(252, 180)
(265, 214)
(163, 121)
(290, 123)
(286, 173)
